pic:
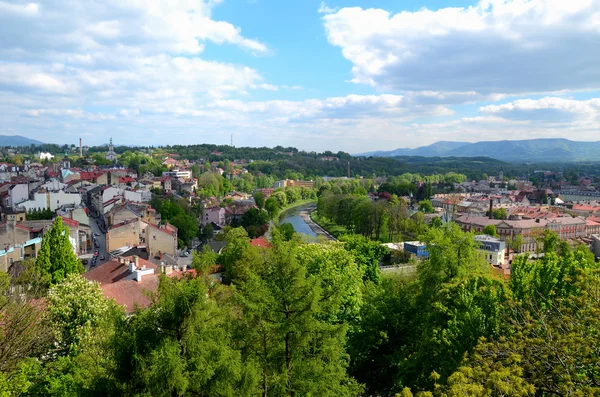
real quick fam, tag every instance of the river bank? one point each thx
(318, 230)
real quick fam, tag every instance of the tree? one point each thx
(426, 207)
(499, 213)
(76, 307)
(182, 345)
(56, 259)
(367, 254)
(255, 222)
(437, 222)
(237, 243)
(287, 231)
(272, 207)
(297, 352)
(259, 199)
(490, 230)
(24, 331)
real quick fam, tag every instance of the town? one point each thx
(126, 217)
(310, 198)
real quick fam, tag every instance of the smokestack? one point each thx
(80, 148)
(348, 170)
(491, 208)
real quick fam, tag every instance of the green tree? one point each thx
(367, 255)
(237, 243)
(182, 345)
(259, 199)
(272, 207)
(287, 231)
(490, 230)
(426, 207)
(499, 213)
(56, 259)
(436, 222)
(298, 352)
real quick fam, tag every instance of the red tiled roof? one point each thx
(260, 242)
(126, 179)
(70, 222)
(130, 293)
(166, 228)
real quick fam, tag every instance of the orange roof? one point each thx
(260, 242)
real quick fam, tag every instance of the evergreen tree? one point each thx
(56, 258)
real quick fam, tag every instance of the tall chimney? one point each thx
(491, 208)
(80, 148)
(348, 169)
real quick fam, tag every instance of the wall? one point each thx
(124, 236)
(18, 194)
(160, 240)
(11, 235)
(52, 200)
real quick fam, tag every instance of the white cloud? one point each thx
(494, 47)
(25, 10)
(325, 9)
(584, 108)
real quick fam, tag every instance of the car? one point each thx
(96, 253)
(96, 234)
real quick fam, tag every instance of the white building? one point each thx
(53, 200)
(17, 194)
(53, 185)
(44, 156)
(493, 249)
(179, 173)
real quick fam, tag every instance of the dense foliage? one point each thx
(299, 319)
(56, 259)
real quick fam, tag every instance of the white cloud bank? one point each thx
(494, 47)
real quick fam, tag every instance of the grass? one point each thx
(296, 204)
(334, 229)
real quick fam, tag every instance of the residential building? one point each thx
(17, 193)
(292, 183)
(494, 249)
(160, 238)
(127, 280)
(179, 173)
(124, 234)
(19, 252)
(213, 215)
(44, 156)
(44, 199)
(130, 210)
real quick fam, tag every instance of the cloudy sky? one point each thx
(352, 75)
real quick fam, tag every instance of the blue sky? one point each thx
(339, 75)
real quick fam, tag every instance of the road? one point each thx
(100, 240)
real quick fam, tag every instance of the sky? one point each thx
(351, 75)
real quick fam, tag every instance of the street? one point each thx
(101, 240)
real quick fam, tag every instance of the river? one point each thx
(292, 216)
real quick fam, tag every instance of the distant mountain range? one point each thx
(529, 150)
(17, 140)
